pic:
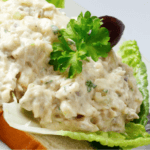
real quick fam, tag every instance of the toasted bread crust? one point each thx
(16, 139)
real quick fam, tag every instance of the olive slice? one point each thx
(115, 27)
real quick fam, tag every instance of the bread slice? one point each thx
(16, 139)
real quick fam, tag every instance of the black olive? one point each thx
(115, 27)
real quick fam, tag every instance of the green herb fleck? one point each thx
(131, 88)
(94, 86)
(32, 85)
(94, 45)
(13, 95)
(65, 88)
(5, 30)
(44, 69)
(55, 29)
(106, 91)
(49, 82)
(4, 0)
(90, 85)
(32, 44)
(17, 16)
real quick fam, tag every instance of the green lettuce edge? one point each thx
(130, 54)
(57, 3)
(135, 134)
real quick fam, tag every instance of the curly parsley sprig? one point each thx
(91, 40)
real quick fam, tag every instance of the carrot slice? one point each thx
(16, 139)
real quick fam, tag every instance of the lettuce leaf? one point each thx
(130, 55)
(57, 3)
(135, 134)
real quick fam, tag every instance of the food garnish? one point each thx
(130, 54)
(115, 27)
(94, 45)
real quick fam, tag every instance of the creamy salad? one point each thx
(104, 96)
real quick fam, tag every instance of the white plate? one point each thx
(72, 9)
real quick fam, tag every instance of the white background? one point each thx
(135, 14)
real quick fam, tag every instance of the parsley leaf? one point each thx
(89, 38)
